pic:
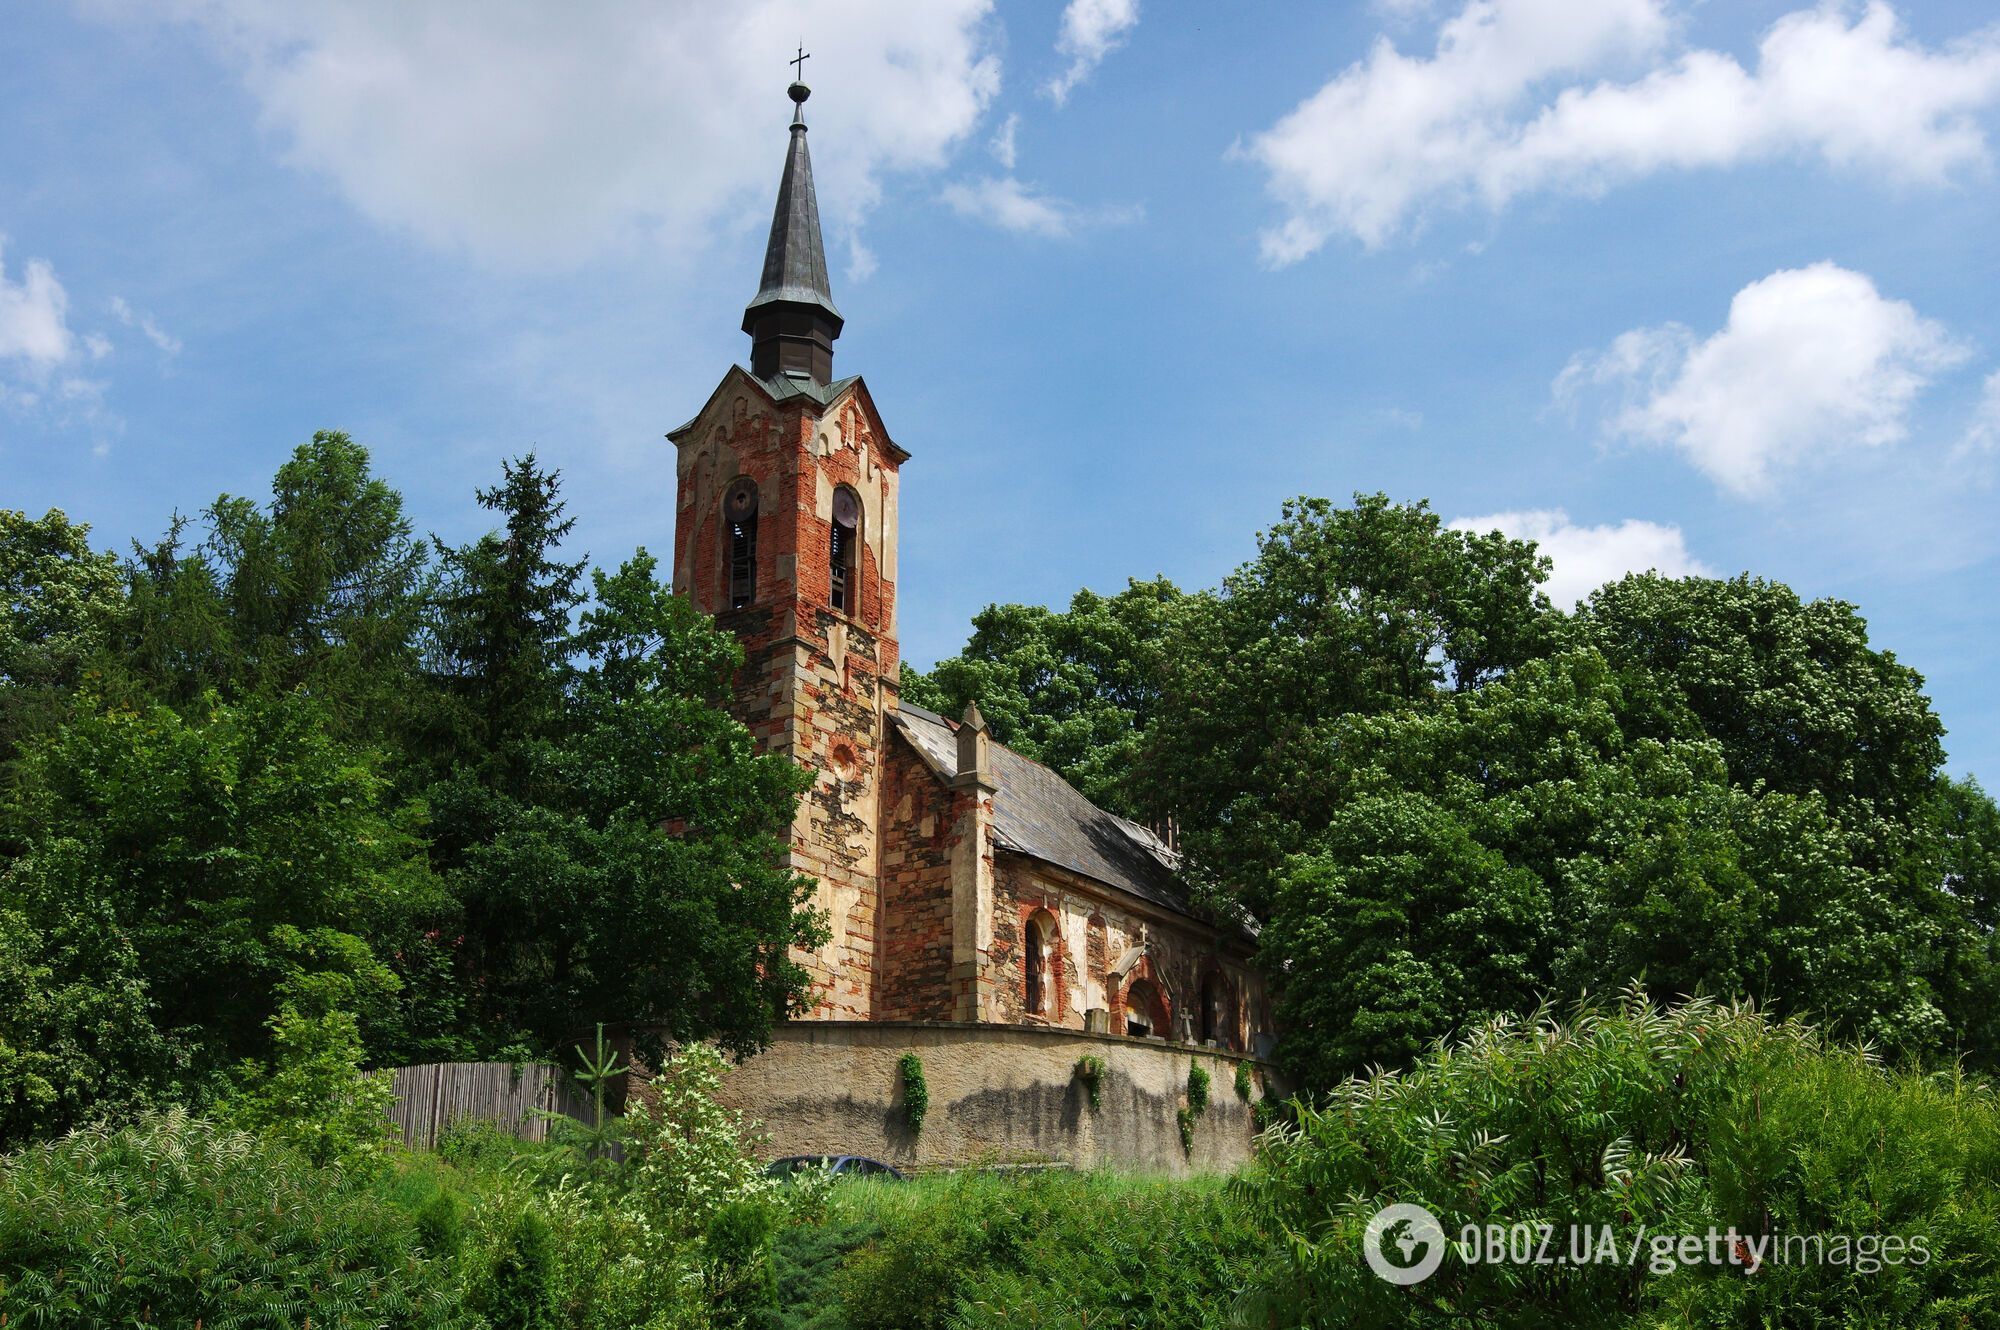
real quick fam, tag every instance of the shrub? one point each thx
(916, 1094)
(1699, 1117)
(175, 1221)
(316, 1096)
(688, 1156)
(986, 1253)
(520, 1294)
(1090, 1070)
(1243, 1082)
(737, 1273)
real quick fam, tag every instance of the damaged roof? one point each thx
(1038, 813)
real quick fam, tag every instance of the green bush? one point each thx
(520, 1293)
(174, 1221)
(1700, 1117)
(737, 1272)
(978, 1251)
(1244, 1085)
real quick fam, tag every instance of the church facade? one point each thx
(965, 884)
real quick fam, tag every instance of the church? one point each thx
(966, 885)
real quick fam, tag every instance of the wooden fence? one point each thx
(433, 1095)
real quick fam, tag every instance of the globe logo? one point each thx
(1404, 1243)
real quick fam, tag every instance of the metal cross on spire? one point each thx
(798, 64)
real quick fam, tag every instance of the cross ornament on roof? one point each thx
(798, 64)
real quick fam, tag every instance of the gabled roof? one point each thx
(1039, 814)
(783, 388)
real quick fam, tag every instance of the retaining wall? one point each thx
(998, 1094)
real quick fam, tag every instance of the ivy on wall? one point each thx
(916, 1094)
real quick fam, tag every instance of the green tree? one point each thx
(1790, 689)
(500, 640)
(59, 603)
(1344, 611)
(1519, 840)
(638, 877)
(1073, 689)
(323, 590)
(77, 1028)
(232, 850)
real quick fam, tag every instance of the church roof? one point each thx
(1039, 814)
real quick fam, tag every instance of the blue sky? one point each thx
(1703, 287)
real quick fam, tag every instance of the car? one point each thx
(839, 1166)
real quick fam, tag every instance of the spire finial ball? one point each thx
(798, 92)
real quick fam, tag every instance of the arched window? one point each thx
(739, 518)
(1217, 1011)
(840, 551)
(1038, 950)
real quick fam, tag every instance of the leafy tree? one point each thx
(1400, 929)
(1344, 611)
(1519, 841)
(1790, 689)
(233, 850)
(1073, 689)
(638, 876)
(59, 602)
(77, 1029)
(323, 591)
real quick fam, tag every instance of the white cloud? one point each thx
(1501, 109)
(1984, 434)
(1004, 150)
(1091, 30)
(536, 133)
(41, 356)
(1586, 557)
(34, 318)
(1005, 202)
(1812, 362)
(135, 318)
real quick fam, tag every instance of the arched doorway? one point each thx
(1146, 1010)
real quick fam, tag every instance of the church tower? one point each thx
(785, 531)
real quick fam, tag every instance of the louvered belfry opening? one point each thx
(840, 549)
(739, 511)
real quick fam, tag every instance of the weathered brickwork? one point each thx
(1104, 944)
(920, 815)
(816, 682)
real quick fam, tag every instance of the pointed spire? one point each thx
(792, 322)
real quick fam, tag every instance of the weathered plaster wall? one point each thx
(998, 1094)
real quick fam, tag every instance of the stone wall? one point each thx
(816, 682)
(919, 818)
(998, 1094)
